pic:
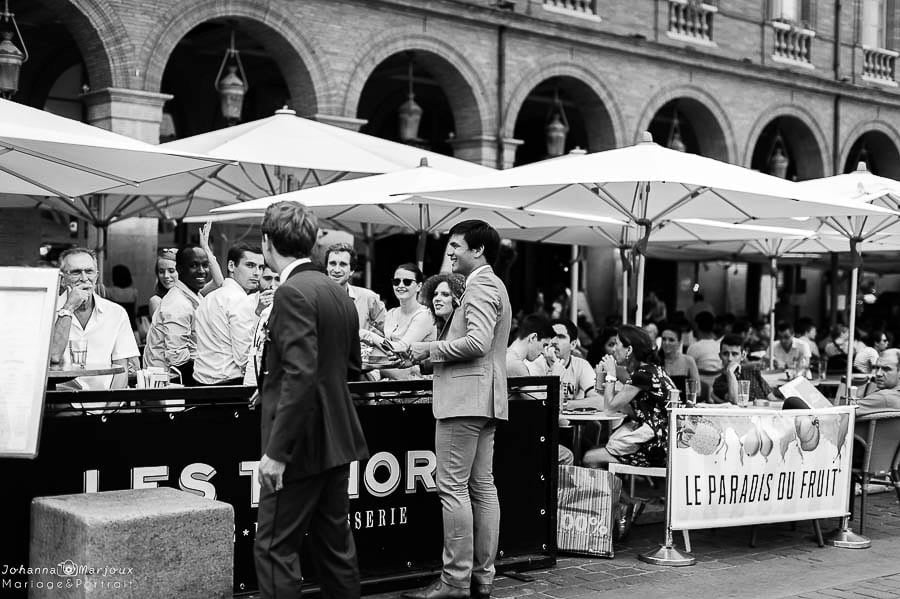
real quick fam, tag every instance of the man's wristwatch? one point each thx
(63, 312)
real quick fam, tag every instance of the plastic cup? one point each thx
(743, 393)
(78, 352)
(690, 392)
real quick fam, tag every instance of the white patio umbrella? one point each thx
(368, 201)
(875, 232)
(644, 184)
(42, 154)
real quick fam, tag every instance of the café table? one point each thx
(62, 375)
(579, 417)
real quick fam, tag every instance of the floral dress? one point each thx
(649, 407)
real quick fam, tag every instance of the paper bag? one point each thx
(587, 499)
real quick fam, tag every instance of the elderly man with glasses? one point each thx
(82, 315)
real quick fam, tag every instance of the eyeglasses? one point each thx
(77, 273)
(406, 282)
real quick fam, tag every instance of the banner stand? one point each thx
(844, 538)
(667, 554)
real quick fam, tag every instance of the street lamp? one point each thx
(232, 88)
(11, 58)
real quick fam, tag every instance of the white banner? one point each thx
(733, 467)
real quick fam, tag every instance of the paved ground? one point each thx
(786, 563)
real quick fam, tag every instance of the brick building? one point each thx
(798, 88)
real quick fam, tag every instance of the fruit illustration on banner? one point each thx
(808, 432)
(700, 434)
(833, 427)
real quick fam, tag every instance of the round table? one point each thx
(578, 418)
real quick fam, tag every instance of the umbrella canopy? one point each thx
(645, 184)
(43, 154)
(369, 201)
(284, 153)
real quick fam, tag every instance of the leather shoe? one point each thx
(481, 591)
(437, 590)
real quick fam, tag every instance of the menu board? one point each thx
(27, 309)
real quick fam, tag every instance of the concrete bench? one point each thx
(142, 543)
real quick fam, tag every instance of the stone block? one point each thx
(142, 543)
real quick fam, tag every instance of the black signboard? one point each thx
(211, 449)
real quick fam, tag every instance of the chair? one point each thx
(878, 435)
(860, 381)
(631, 472)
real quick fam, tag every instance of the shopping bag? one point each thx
(587, 498)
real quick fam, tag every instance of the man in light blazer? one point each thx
(469, 398)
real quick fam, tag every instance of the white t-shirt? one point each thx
(575, 378)
(706, 354)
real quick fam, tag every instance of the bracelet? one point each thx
(610, 379)
(63, 312)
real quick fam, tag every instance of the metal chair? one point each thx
(878, 434)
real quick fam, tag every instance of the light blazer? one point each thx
(470, 356)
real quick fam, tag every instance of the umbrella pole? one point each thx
(773, 273)
(573, 283)
(420, 249)
(854, 280)
(370, 253)
(639, 293)
(624, 296)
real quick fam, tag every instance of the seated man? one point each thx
(84, 315)
(705, 350)
(226, 320)
(887, 397)
(725, 387)
(532, 335)
(171, 340)
(576, 377)
(790, 352)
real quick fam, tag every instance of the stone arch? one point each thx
(563, 67)
(704, 111)
(890, 140)
(820, 146)
(101, 39)
(458, 79)
(298, 57)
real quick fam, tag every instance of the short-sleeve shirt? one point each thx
(109, 337)
(575, 378)
(706, 354)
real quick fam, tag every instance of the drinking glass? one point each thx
(78, 351)
(690, 392)
(743, 393)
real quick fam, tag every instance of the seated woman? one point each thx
(407, 323)
(642, 440)
(678, 366)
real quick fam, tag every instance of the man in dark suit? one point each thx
(310, 431)
(470, 397)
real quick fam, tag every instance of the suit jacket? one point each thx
(308, 418)
(470, 356)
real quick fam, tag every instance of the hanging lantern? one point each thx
(675, 141)
(557, 128)
(11, 58)
(232, 87)
(779, 162)
(409, 115)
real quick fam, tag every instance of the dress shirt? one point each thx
(109, 337)
(799, 350)
(254, 355)
(171, 340)
(225, 322)
(286, 272)
(369, 307)
(879, 401)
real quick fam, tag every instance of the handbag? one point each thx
(586, 502)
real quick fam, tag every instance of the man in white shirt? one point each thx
(340, 266)
(268, 283)
(171, 340)
(705, 350)
(84, 315)
(576, 377)
(226, 320)
(790, 352)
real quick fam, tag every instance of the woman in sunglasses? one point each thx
(407, 323)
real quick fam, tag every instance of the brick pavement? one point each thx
(786, 563)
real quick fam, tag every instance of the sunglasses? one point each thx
(406, 282)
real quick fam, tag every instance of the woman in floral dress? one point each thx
(642, 440)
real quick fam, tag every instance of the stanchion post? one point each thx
(844, 537)
(667, 554)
